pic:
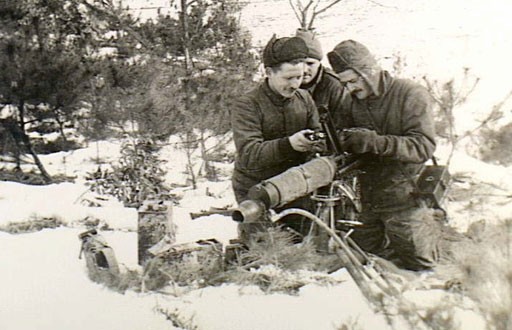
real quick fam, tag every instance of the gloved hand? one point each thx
(319, 146)
(301, 143)
(359, 140)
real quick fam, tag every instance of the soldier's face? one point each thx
(355, 84)
(286, 79)
(311, 66)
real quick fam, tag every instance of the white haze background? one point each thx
(44, 285)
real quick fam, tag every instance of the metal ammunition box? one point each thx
(433, 185)
(154, 223)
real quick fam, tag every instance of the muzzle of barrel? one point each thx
(249, 211)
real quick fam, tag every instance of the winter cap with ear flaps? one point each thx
(350, 54)
(314, 46)
(282, 50)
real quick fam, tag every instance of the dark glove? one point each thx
(359, 140)
(320, 146)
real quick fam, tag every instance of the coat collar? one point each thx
(275, 98)
(383, 85)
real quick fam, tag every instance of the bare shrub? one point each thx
(307, 12)
(448, 96)
(31, 177)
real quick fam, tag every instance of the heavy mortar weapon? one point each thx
(331, 183)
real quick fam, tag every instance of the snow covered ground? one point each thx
(45, 286)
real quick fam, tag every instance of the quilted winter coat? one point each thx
(402, 114)
(261, 122)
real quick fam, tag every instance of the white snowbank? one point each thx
(45, 286)
(62, 201)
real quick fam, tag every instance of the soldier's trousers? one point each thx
(410, 237)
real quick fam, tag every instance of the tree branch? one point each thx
(117, 20)
(327, 7)
(381, 5)
(305, 14)
(462, 99)
(493, 116)
(295, 11)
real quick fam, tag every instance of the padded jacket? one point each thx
(401, 116)
(262, 121)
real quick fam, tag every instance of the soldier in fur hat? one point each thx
(388, 123)
(270, 122)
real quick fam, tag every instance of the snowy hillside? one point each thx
(45, 286)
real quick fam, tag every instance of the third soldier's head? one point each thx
(356, 67)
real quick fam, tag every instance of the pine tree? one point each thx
(43, 48)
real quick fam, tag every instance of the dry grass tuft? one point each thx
(440, 316)
(277, 247)
(350, 324)
(275, 263)
(195, 269)
(33, 224)
(127, 280)
(177, 319)
(482, 269)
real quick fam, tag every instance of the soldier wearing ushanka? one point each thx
(270, 123)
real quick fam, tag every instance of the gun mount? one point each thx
(324, 178)
(321, 177)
